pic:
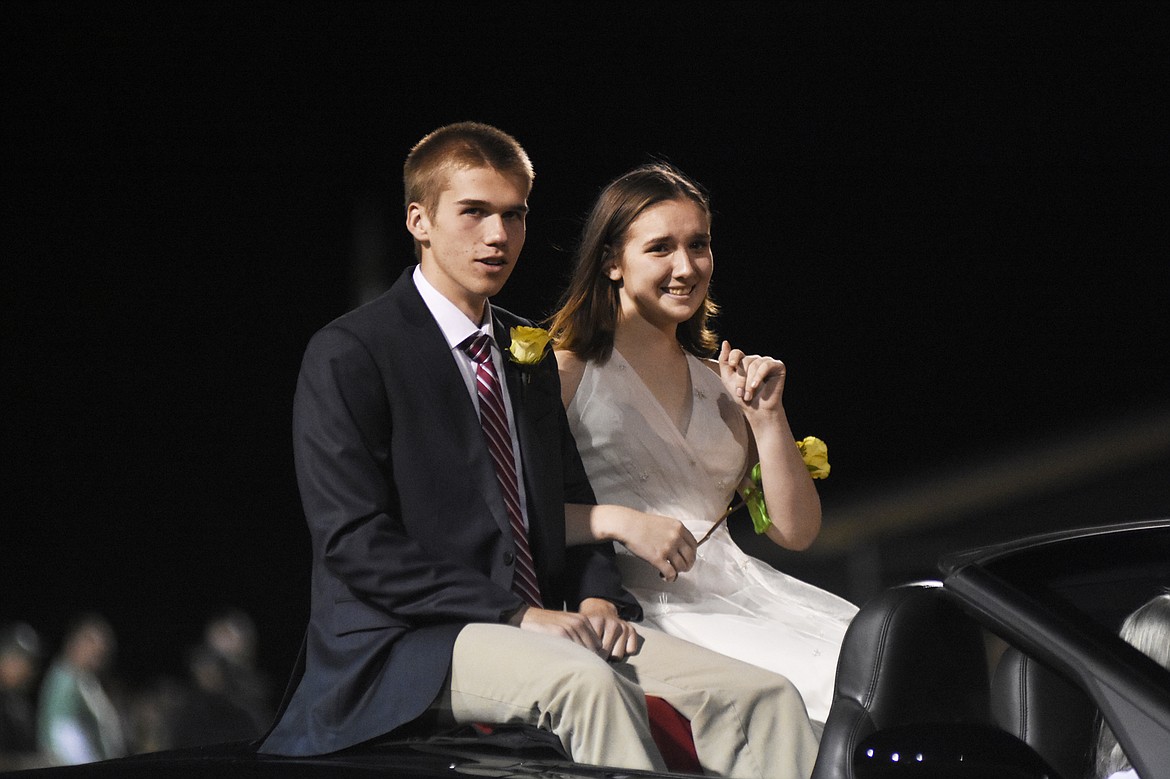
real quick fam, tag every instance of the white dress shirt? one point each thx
(457, 328)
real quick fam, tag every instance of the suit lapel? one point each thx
(515, 380)
(453, 403)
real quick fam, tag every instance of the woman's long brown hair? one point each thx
(587, 315)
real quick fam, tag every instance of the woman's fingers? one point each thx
(745, 374)
(760, 370)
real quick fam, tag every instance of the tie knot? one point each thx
(478, 348)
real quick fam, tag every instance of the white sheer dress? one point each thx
(729, 601)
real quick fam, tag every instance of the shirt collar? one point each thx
(455, 325)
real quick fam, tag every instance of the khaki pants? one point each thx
(747, 722)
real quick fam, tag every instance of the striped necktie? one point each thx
(499, 441)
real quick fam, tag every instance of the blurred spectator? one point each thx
(1147, 629)
(231, 635)
(77, 721)
(151, 712)
(20, 662)
(208, 713)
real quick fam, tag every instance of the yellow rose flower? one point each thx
(528, 345)
(815, 454)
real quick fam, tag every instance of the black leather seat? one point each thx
(1045, 711)
(909, 656)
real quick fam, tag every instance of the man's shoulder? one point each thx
(372, 328)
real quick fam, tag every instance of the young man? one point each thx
(435, 472)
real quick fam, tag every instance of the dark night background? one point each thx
(949, 219)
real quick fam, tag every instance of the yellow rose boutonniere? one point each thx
(528, 348)
(815, 454)
(528, 345)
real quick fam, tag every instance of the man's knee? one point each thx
(760, 683)
(585, 673)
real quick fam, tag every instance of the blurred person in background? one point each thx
(77, 721)
(208, 713)
(231, 636)
(20, 662)
(150, 712)
(1146, 629)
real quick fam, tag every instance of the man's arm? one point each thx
(342, 438)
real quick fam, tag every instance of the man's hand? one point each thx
(618, 637)
(566, 624)
(597, 627)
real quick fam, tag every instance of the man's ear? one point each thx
(610, 266)
(417, 222)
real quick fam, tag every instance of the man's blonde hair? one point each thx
(458, 146)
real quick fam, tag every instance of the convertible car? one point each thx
(997, 669)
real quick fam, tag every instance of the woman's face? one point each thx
(665, 264)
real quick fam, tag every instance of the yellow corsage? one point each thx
(815, 454)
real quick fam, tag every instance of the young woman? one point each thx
(666, 431)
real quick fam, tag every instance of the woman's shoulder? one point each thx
(572, 370)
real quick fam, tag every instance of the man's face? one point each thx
(471, 243)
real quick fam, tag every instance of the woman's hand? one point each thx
(755, 380)
(663, 542)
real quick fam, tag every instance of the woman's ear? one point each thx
(610, 265)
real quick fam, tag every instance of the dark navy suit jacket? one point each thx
(409, 534)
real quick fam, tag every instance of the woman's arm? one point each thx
(661, 541)
(793, 504)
